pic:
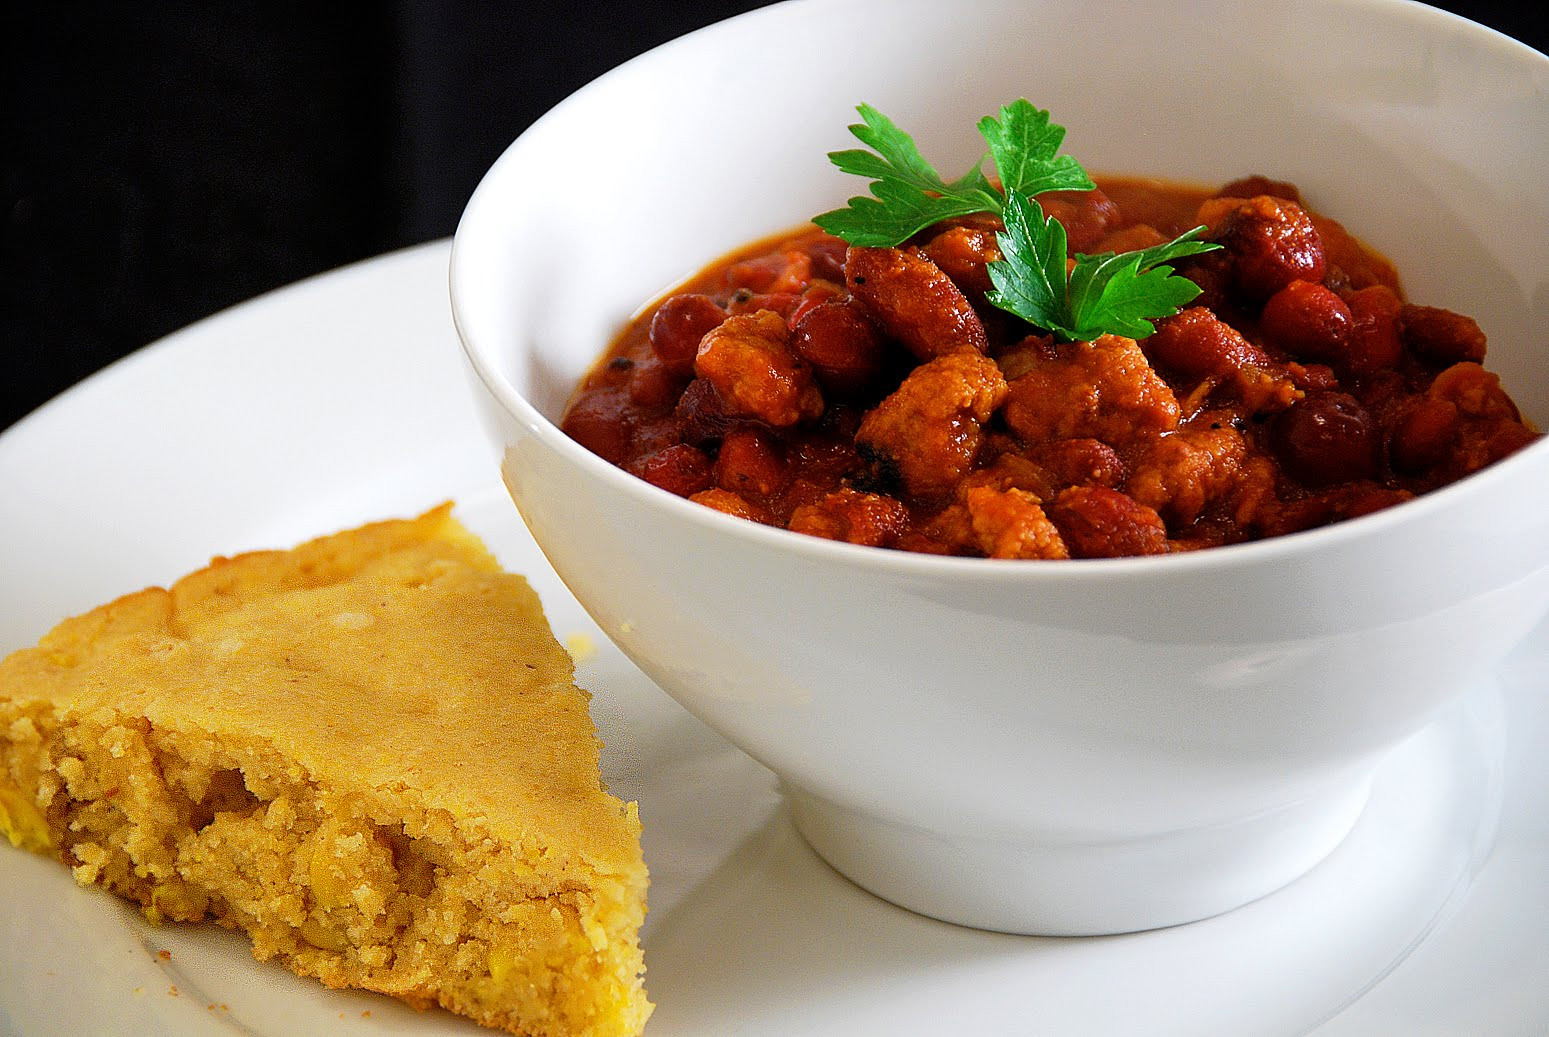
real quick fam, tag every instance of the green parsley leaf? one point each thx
(1030, 278)
(1025, 145)
(909, 194)
(1102, 294)
(1035, 278)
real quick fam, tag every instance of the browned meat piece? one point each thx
(914, 302)
(1490, 426)
(1102, 390)
(1096, 522)
(1011, 524)
(1067, 462)
(1196, 344)
(854, 517)
(1475, 392)
(1271, 242)
(1181, 474)
(928, 432)
(749, 361)
(731, 504)
(964, 254)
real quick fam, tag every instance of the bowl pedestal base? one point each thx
(1070, 888)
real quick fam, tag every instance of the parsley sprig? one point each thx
(1077, 298)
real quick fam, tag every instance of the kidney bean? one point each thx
(788, 270)
(678, 325)
(680, 469)
(914, 302)
(1255, 185)
(1085, 215)
(654, 383)
(750, 462)
(1308, 321)
(599, 420)
(701, 413)
(1097, 522)
(842, 345)
(812, 298)
(1374, 343)
(1197, 344)
(1423, 436)
(1441, 336)
(827, 253)
(1325, 437)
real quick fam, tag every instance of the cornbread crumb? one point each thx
(368, 754)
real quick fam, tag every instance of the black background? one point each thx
(159, 162)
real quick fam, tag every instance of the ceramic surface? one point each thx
(1083, 747)
(1431, 917)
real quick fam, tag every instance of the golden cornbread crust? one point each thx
(367, 753)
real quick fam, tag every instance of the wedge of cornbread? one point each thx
(367, 753)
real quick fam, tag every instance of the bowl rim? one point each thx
(481, 358)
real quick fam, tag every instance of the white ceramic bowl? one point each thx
(1065, 747)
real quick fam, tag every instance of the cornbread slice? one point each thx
(367, 753)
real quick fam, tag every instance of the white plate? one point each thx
(341, 400)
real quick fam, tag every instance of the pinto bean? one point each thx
(914, 301)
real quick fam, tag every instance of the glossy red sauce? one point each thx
(874, 396)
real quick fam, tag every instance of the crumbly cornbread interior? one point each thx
(367, 753)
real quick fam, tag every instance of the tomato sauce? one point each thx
(874, 396)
